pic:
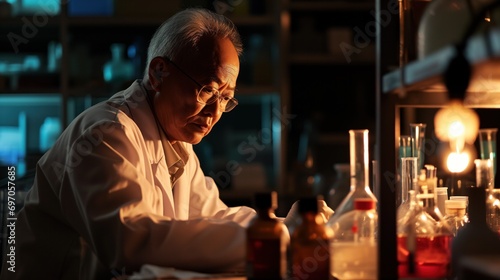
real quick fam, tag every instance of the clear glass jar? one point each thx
(359, 173)
(353, 249)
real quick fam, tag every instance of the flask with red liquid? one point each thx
(424, 246)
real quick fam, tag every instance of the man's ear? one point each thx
(157, 71)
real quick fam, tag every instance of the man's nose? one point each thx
(216, 107)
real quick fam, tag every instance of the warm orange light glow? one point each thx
(456, 124)
(457, 162)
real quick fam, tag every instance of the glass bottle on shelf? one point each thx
(267, 241)
(354, 245)
(119, 69)
(424, 249)
(409, 181)
(341, 187)
(476, 237)
(310, 243)
(359, 172)
(455, 215)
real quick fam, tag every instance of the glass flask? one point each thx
(417, 133)
(455, 215)
(354, 245)
(408, 183)
(267, 241)
(359, 172)
(310, 243)
(341, 187)
(423, 248)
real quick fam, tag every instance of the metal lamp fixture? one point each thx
(456, 123)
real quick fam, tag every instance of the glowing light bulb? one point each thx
(456, 123)
(457, 161)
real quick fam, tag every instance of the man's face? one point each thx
(181, 115)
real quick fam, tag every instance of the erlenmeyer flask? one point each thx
(359, 170)
(423, 251)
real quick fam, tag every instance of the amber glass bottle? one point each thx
(267, 241)
(310, 243)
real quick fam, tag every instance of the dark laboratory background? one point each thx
(299, 90)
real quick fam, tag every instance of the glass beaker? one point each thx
(359, 172)
(484, 173)
(488, 146)
(417, 133)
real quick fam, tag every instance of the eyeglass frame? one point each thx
(215, 92)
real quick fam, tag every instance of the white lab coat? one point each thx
(102, 203)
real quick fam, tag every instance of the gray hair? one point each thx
(186, 28)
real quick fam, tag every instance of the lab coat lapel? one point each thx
(143, 117)
(162, 180)
(182, 191)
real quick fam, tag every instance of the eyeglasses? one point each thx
(207, 95)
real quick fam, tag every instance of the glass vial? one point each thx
(354, 246)
(310, 243)
(267, 241)
(417, 133)
(409, 181)
(442, 196)
(488, 146)
(404, 150)
(359, 171)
